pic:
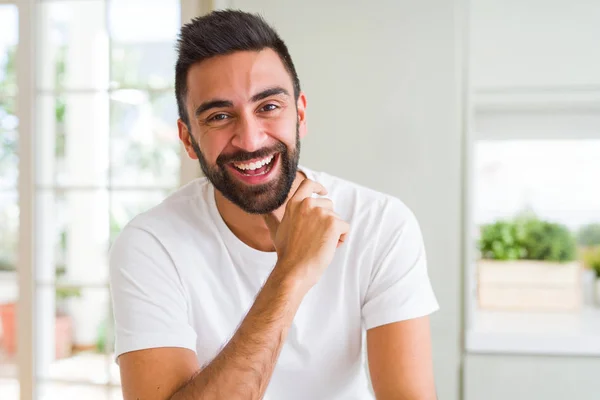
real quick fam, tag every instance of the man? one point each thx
(260, 280)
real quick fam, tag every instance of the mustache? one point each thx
(242, 156)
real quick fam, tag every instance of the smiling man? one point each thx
(262, 279)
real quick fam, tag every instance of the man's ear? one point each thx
(185, 137)
(301, 107)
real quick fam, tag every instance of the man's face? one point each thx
(245, 127)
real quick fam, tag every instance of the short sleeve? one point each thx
(149, 301)
(399, 288)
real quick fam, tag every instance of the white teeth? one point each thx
(254, 165)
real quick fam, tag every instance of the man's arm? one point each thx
(305, 240)
(400, 360)
(241, 370)
(398, 300)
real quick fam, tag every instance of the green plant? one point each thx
(549, 241)
(63, 294)
(101, 337)
(589, 235)
(591, 258)
(502, 240)
(8, 137)
(7, 265)
(8, 83)
(527, 238)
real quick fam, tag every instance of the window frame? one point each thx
(26, 100)
(536, 113)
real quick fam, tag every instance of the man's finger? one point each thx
(340, 241)
(343, 237)
(306, 189)
(323, 203)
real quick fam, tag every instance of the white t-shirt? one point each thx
(180, 278)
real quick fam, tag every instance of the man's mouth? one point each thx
(255, 167)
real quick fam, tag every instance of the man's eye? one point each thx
(219, 117)
(269, 107)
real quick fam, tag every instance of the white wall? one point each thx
(506, 377)
(529, 43)
(542, 55)
(384, 110)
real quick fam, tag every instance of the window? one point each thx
(9, 206)
(104, 148)
(535, 218)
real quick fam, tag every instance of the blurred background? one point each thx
(482, 115)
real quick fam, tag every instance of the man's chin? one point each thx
(257, 199)
(259, 205)
(255, 196)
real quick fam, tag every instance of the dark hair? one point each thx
(224, 32)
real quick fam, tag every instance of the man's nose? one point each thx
(249, 135)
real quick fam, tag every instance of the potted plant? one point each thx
(528, 264)
(588, 238)
(8, 322)
(64, 321)
(591, 258)
(63, 324)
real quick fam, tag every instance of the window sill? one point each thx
(498, 332)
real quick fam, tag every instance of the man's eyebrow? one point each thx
(269, 92)
(218, 103)
(207, 105)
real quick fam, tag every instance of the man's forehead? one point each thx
(237, 76)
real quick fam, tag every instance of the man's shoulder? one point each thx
(177, 210)
(171, 232)
(360, 199)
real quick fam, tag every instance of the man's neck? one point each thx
(251, 228)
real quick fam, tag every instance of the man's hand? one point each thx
(305, 240)
(307, 235)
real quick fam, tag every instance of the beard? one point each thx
(254, 199)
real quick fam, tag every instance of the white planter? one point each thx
(529, 285)
(597, 292)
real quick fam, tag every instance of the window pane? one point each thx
(143, 48)
(8, 44)
(8, 144)
(558, 180)
(73, 45)
(9, 230)
(72, 141)
(63, 391)
(71, 348)
(144, 140)
(9, 389)
(9, 209)
(538, 224)
(72, 235)
(9, 290)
